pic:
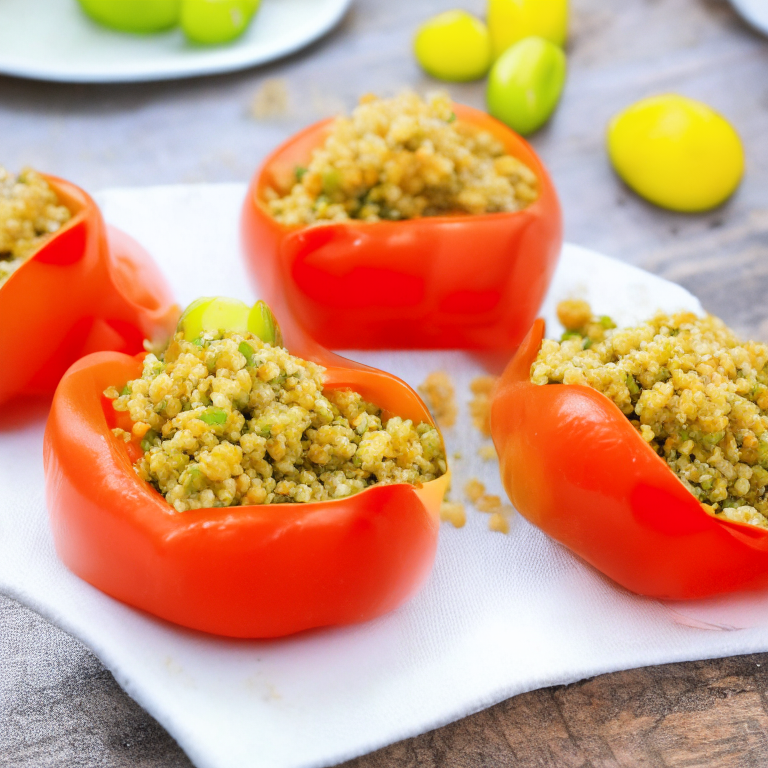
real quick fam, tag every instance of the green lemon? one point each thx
(525, 84)
(676, 152)
(222, 314)
(140, 16)
(513, 20)
(209, 22)
(453, 46)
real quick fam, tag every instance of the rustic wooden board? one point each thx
(60, 708)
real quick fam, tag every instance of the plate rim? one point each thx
(191, 68)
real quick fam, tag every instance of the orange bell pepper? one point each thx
(470, 282)
(87, 288)
(575, 467)
(249, 571)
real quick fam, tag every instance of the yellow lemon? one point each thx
(676, 152)
(513, 20)
(454, 46)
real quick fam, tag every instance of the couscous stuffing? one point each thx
(227, 419)
(695, 393)
(403, 158)
(29, 213)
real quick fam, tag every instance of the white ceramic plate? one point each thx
(754, 11)
(55, 40)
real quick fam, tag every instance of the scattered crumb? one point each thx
(440, 395)
(456, 455)
(488, 503)
(453, 512)
(480, 405)
(574, 313)
(487, 453)
(270, 100)
(121, 434)
(498, 523)
(474, 489)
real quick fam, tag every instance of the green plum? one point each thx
(525, 84)
(209, 22)
(223, 314)
(140, 16)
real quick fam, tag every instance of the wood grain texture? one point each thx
(59, 708)
(710, 713)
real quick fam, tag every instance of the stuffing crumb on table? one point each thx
(439, 393)
(438, 390)
(480, 405)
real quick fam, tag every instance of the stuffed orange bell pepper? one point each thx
(430, 279)
(271, 523)
(578, 468)
(85, 288)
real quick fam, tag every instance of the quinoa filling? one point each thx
(29, 213)
(228, 420)
(403, 158)
(695, 393)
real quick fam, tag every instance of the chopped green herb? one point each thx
(149, 440)
(247, 351)
(126, 390)
(713, 438)
(299, 172)
(214, 416)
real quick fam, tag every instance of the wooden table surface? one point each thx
(60, 707)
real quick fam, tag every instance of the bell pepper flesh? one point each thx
(574, 466)
(443, 282)
(87, 288)
(249, 571)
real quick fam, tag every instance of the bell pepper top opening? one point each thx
(33, 209)
(344, 195)
(693, 392)
(224, 417)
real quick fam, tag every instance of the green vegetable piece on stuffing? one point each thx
(149, 440)
(247, 351)
(224, 314)
(214, 416)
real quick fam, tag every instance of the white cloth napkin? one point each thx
(500, 615)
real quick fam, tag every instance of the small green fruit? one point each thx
(140, 16)
(223, 314)
(210, 22)
(525, 84)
